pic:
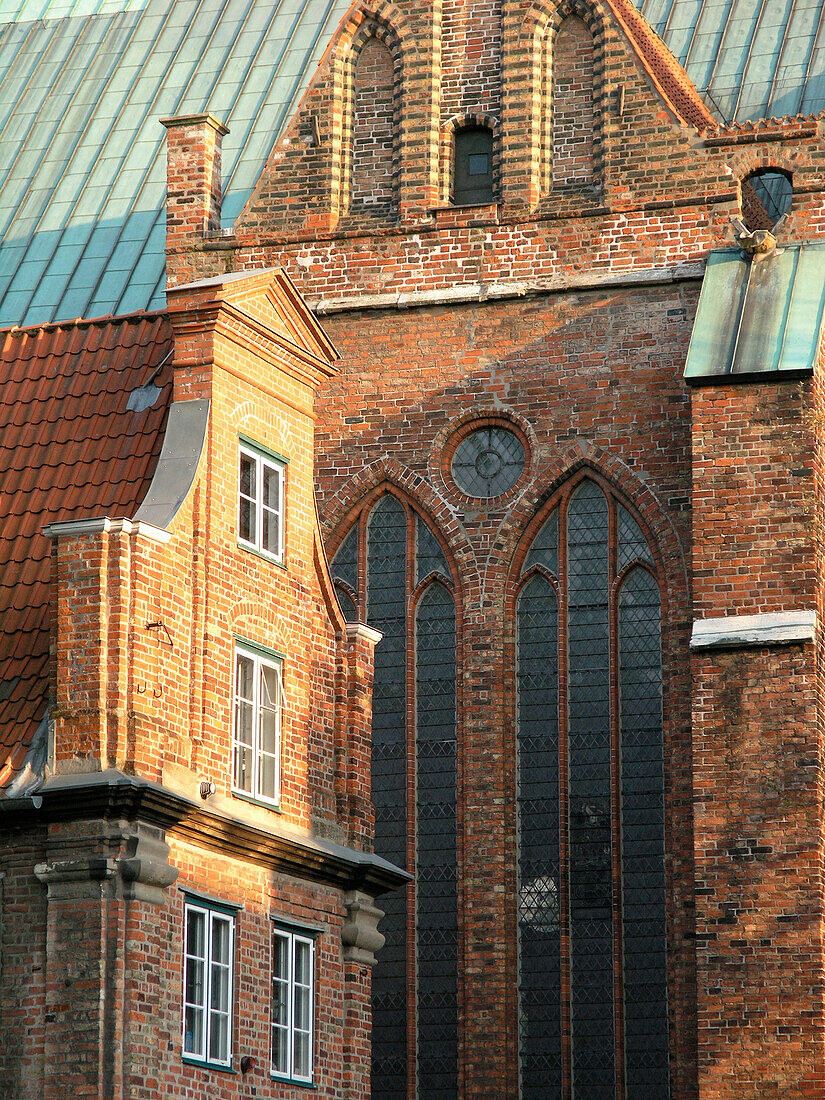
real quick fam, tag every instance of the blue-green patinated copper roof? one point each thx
(758, 317)
(83, 84)
(749, 59)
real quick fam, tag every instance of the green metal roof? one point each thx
(749, 59)
(82, 154)
(758, 317)
(83, 84)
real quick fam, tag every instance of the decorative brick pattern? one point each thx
(374, 175)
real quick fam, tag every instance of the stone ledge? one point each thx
(769, 628)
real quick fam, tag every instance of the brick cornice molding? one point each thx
(113, 796)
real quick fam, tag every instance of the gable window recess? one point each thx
(261, 493)
(293, 1004)
(208, 984)
(259, 705)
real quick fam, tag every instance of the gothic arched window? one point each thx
(390, 571)
(590, 801)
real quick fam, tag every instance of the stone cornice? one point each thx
(112, 795)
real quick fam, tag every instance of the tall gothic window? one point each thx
(591, 865)
(391, 572)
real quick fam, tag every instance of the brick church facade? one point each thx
(595, 737)
(569, 467)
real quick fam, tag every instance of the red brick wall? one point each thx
(411, 379)
(22, 965)
(156, 701)
(592, 378)
(154, 977)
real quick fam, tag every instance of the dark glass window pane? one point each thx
(545, 547)
(591, 869)
(345, 563)
(473, 175)
(538, 824)
(387, 612)
(644, 922)
(436, 846)
(429, 557)
(766, 196)
(350, 611)
(632, 543)
(488, 462)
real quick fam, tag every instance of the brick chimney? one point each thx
(193, 187)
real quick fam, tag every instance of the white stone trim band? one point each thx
(769, 628)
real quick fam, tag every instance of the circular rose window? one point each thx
(488, 462)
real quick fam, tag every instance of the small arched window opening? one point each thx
(766, 197)
(473, 166)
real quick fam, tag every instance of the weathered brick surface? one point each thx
(143, 653)
(595, 249)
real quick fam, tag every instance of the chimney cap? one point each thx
(180, 121)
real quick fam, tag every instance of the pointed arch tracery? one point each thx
(591, 915)
(391, 571)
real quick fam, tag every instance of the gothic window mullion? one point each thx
(612, 948)
(401, 567)
(615, 797)
(589, 741)
(564, 808)
(412, 888)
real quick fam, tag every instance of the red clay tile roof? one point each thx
(667, 74)
(70, 447)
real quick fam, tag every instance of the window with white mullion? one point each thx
(292, 1006)
(302, 1009)
(194, 993)
(220, 987)
(207, 996)
(260, 504)
(257, 733)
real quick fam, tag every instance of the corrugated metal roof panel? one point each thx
(749, 58)
(758, 317)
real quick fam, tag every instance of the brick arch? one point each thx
(461, 425)
(538, 500)
(253, 619)
(446, 149)
(387, 474)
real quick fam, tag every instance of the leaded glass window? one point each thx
(391, 571)
(488, 462)
(590, 803)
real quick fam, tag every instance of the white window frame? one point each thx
(262, 463)
(200, 1049)
(259, 662)
(287, 983)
